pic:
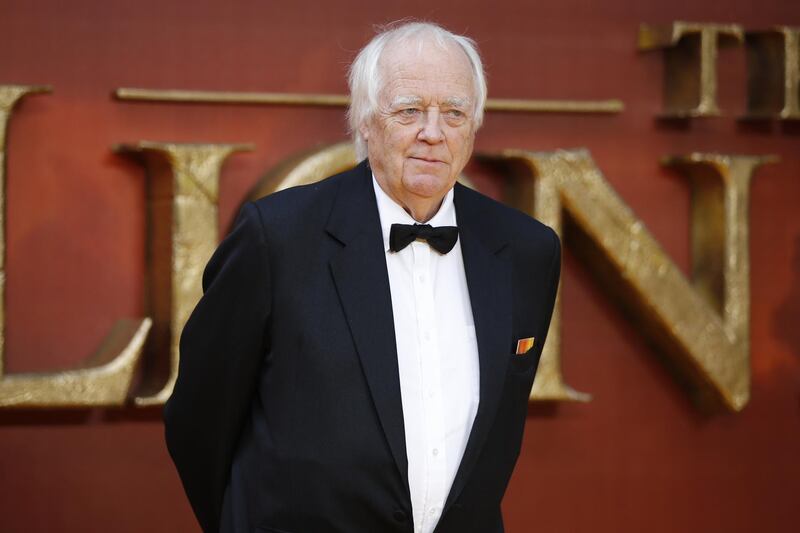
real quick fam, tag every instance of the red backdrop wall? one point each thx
(638, 457)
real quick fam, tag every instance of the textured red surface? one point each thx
(638, 457)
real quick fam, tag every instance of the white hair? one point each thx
(366, 80)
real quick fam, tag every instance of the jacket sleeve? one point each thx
(221, 349)
(553, 279)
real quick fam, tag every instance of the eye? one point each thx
(409, 112)
(455, 117)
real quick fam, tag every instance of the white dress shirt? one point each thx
(437, 357)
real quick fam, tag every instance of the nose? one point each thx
(431, 131)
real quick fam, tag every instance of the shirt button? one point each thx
(431, 393)
(427, 335)
(435, 452)
(434, 510)
(421, 278)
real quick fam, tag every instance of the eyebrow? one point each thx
(406, 100)
(453, 101)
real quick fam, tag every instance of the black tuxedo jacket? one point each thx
(287, 416)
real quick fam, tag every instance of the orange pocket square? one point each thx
(524, 345)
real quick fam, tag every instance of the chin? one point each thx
(427, 185)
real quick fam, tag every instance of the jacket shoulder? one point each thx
(519, 228)
(303, 201)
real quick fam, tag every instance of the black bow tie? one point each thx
(441, 239)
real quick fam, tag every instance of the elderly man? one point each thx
(363, 352)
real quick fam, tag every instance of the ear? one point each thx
(363, 129)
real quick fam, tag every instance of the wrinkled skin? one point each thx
(421, 136)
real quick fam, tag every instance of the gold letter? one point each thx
(311, 166)
(773, 78)
(182, 235)
(690, 64)
(306, 167)
(105, 377)
(549, 385)
(701, 327)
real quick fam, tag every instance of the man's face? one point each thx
(422, 133)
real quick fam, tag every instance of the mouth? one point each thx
(425, 159)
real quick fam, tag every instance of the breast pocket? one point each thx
(524, 363)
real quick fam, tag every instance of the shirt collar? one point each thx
(390, 212)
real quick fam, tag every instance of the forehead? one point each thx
(425, 69)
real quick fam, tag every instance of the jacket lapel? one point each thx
(362, 281)
(487, 265)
